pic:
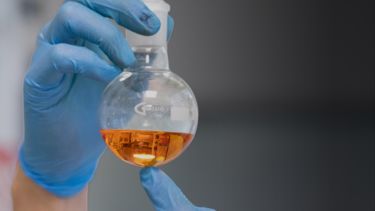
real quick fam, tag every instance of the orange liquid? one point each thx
(146, 148)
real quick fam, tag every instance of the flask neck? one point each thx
(151, 57)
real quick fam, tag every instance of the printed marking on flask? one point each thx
(143, 108)
(176, 113)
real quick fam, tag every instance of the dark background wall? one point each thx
(286, 91)
(267, 51)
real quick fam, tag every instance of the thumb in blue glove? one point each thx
(164, 193)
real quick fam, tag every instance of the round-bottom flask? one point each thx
(149, 115)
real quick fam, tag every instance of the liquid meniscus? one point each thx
(146, 148)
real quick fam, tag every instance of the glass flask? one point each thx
(149, 115)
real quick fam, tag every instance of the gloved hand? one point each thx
(63, 87)
(164, 193)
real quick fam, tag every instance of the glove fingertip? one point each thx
(111, 73)
(153, 24)
(170, 27)
(128, 59)
(147, 176)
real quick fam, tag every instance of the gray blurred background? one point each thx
(286, 95)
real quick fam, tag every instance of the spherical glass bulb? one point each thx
(149, 116)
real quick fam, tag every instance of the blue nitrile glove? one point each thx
(63, 87)
(164, 193)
